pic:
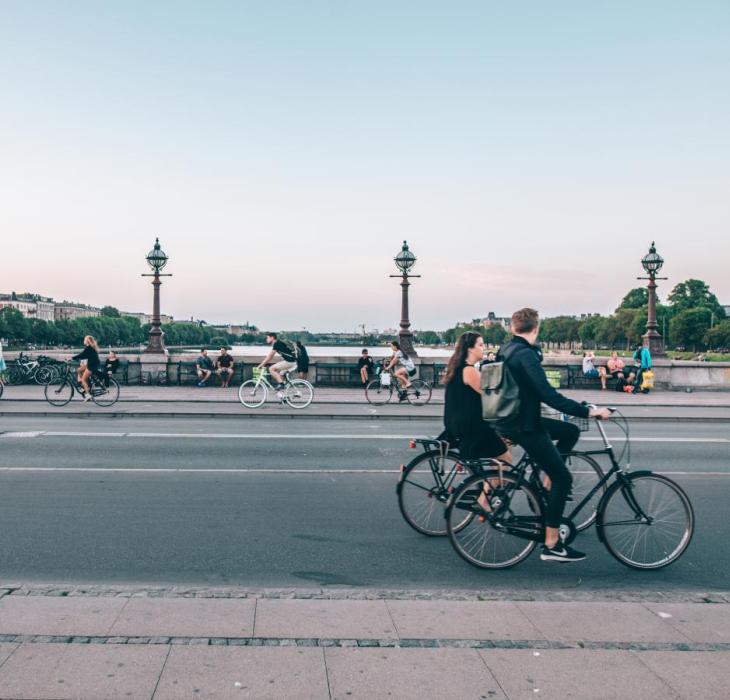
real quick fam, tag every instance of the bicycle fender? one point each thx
(615, 486)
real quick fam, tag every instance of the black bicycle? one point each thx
(427, 482)
(104, 390)
(495, 518)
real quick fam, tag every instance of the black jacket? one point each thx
(91, 357)
(523, 361)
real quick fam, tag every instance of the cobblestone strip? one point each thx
(570, 595)
(367, 643)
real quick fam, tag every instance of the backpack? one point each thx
(292, 348)
(500, 393)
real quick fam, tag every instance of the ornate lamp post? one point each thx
(404, 261)
(156, 259)
(652, 262)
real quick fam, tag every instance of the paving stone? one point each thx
(93, 672)
(461, 620)
(59, 616)
(580, 674)
(183, 617)
(243, 672)
(338, 619)
(600, 622)
(6, 650)
(702, 674)
(698, 622)
(409, 674)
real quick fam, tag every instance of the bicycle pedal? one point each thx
(482, 518)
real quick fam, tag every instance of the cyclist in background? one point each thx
(89, 357)
(288, 361)
(536, 434)
(404, 370)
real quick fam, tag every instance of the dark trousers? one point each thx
(547, 455)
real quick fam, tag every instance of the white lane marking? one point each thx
(266, 470)
(298, 436)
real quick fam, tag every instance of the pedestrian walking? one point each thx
(302, 360)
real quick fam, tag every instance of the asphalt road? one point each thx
(291, 504)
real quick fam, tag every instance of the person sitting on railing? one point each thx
(590, 369)
(365, 366)
(110, 366)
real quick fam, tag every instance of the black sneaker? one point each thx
(561, 552)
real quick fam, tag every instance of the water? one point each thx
(341, 351)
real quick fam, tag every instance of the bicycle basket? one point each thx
(258, 372)
(385, 379)
(584, 424)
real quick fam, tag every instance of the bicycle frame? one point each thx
(616, 471)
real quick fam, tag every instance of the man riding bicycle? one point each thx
(288, 360)
(536, 434)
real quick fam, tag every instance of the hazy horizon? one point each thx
(283, 151)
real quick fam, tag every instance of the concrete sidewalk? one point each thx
(342, 403)
(227, 643)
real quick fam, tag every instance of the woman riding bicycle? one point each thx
(90, 354)
(463, 405)
(402, 366)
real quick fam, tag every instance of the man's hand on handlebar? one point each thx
(601, 413)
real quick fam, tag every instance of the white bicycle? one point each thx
(297, 393)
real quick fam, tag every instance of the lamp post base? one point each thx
(405, 340)
(654, 342)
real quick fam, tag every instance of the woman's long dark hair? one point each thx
(465, 343)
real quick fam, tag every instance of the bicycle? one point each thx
(645, 520)
(26, 370)
(297, 393)
(380, 390)
(104, 391)
(427, 482)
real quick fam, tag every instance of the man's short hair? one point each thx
(364, 350)
(273, 335)
(525, 320)
(203, 349)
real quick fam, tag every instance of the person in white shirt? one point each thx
(402, 366)
(590, 369)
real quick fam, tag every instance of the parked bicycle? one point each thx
(427, 482)
(104, 390)
(644, 519)
(297, 393)
(381, 390)
(25, 369)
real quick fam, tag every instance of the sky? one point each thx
(282, 151)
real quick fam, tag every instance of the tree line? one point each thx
(692, 319)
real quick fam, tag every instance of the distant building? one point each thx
(727, 310)
(240, 329)
(30, 305)
(146, 318)
(68, 311)
(492, 319)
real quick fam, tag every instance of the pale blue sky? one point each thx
(528, 151)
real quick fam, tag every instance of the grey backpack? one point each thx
(500, 394)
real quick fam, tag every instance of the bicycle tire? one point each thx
(252, 394)
(109, 395)
(59, 394)
(16, 376)
(418, 393)
(298, 393)
(423, 492)
(657, 495)
(586, 473)
(478, 543)
(44, 375)
(377, 394)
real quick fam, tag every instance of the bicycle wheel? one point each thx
(103, 395)
(44, 375)
(59, 394)
(377, 394)
(586, 473)
(418, 393)
(252, 394)
(646, 521)
(424, 488)
(298, 393)
(503, 535)
(16, 375)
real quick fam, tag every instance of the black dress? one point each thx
(463, 420)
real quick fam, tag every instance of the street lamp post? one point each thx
(156, 259)
(652, 262)
(404, 261)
